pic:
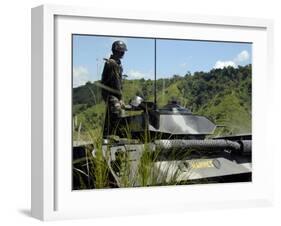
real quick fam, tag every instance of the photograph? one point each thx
(160, 112)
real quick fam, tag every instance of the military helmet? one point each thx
(119, 46)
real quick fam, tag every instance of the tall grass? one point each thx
(100, 171)
(96, 170)
(94, 163)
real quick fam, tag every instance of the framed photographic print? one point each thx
(134, 112)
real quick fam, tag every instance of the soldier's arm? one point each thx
(115, 79)
(112, 78)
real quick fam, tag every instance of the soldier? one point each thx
(112, 87)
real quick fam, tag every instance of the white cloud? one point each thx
(80, 76)
(134, 74)
(222, 64)
(242, 56)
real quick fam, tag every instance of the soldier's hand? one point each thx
(122, 104)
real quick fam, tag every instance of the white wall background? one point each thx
(15, 112)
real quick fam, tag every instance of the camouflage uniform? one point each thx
(112, 78)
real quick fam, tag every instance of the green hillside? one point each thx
(223, 95)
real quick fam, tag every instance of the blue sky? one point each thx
(173, 56)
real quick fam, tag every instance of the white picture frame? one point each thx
(52, 197)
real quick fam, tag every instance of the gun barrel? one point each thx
(205, 145)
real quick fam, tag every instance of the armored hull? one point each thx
(173, 146)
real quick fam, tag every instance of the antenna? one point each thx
(97, 59)
(155, 99)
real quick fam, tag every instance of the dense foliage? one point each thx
(223, 95)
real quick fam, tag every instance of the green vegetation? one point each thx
(222, 95)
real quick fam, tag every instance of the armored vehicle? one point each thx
(171, 145)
